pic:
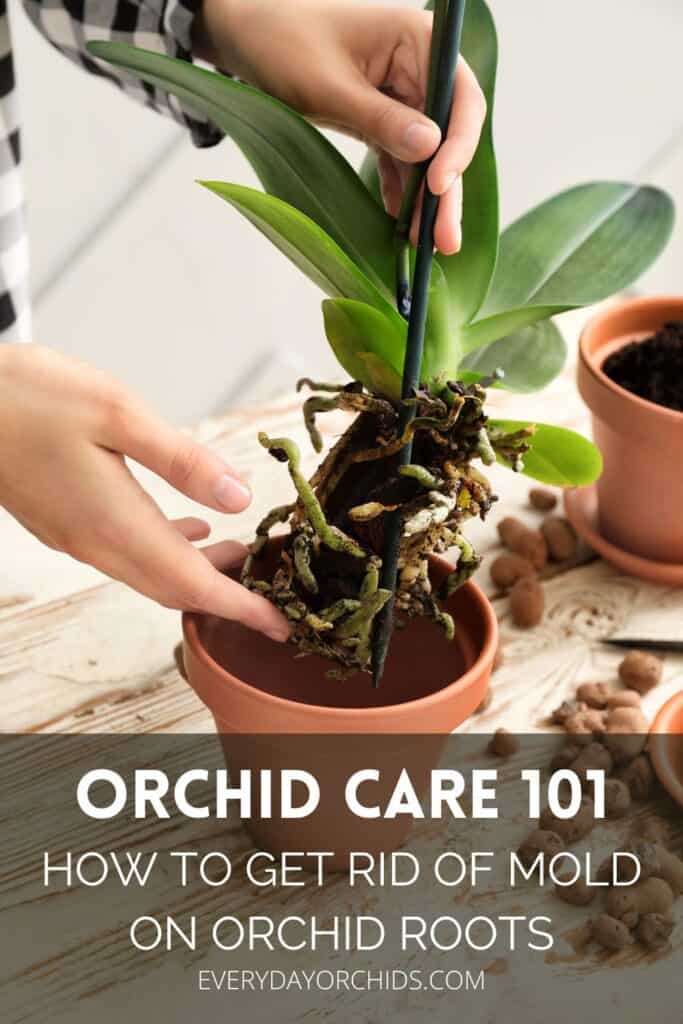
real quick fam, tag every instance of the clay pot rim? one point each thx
(485, 656)
(590, 361)
(660, 731)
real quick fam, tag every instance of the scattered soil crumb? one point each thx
(498, 966)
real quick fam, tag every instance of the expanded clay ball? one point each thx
(585, 724)
(639, 776)
(539, 841)
(565, 757)
(542, 499)
(651, 896)
(625, 733)
(654, 860)
(517, 537)
(595, 695)
(503, 743)
(527, 603)
(509, 529)
(578, 894)
(570, 829)
(559, 537)
(507, 569)
(624, 699)
(623, 868)
(566, 710)
(594, 757)
(610, 933)
(617, 798)
(641, 671)
(654, 930)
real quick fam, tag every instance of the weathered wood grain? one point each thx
(79, 653)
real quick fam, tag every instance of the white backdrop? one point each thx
(213, 316)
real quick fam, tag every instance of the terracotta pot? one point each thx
(640, 493)
(666, 746)
(273, 710)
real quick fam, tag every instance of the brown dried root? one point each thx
(512, 447)
(326, 579)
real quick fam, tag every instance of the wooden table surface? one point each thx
(80, 653)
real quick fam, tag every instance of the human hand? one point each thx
(65, 430)
(362, 70)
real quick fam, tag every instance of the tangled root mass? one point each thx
(326, 581)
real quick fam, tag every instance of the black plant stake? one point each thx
(445, 51)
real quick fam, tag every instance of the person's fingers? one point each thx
(230, 600)
(384, 122)
(448, 229)
(131, 540)
(415, 222)
(192, 528)
(132, 429)
(466, 122)
(225, 554)
(390, 183)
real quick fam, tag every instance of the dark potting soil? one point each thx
(653, 368)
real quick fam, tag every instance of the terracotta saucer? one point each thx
(581, 508)
(666, 746)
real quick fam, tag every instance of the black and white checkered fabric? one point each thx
(160, 25)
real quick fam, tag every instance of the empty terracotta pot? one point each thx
(640, 492)
(274, 710)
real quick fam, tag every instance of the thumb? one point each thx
(388, 124)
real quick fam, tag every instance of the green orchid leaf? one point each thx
(367, 343)
(578, 248)
(501, 325)
(304, 243)
(470, 271)
(293, 160)
(557, 456)
(529, 358)
(442, 351)
(369, 175)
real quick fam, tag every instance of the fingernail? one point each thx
(232, 493)
(419, 139)
(448, 181)
(279, 635)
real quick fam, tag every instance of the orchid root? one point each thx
(285, 450)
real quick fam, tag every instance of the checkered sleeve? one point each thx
(14, 266)
(161, 25)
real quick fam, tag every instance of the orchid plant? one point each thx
(489, 324)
